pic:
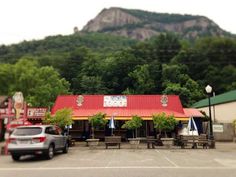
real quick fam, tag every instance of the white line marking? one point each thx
(117, 167)
(165, 157)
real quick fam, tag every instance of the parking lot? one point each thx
(101, 162)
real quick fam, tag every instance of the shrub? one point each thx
(133, 124)
(165, 123)
(97, 120)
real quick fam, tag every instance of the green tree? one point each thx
(40, 85)
(166, 46)
(92, 85)
(48, 86)
(178, 83)
(163, 122)
(143, 82)
(72, 66)
(133, 124)
(116, 69)
(62, 118)
(97, 120)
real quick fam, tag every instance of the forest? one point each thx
(96, 63)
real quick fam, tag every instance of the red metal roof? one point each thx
(142, 105)
(192, 112)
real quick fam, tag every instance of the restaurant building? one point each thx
(122, 108)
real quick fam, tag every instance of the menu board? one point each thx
(115, 101)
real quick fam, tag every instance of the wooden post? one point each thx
(9, 109)
(25, 113)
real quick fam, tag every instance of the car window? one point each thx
(50, 130)
(24, 131)
(58, 131)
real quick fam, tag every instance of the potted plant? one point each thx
(165, 123)
(133, 125)
(97, 120)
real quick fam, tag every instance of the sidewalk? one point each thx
(220, 146)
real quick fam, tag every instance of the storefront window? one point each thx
(78, 125)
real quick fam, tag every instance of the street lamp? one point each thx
(211, 137)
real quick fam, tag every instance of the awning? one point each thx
(129, 118)
(192, 112)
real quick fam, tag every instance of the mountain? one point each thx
(141, 25)
(63, 44)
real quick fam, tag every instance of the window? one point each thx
(50, 130)
(25, 131)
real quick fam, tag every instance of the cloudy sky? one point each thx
(34, 19)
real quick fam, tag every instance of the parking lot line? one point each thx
(165, 157)
(115, 167)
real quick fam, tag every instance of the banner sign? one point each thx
(115, 101)
(36, 112)
(31, 112)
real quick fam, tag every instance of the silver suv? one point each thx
(37, 139)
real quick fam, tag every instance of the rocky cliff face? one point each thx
(112, 17)
(142, 25)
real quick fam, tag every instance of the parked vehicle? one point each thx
(38, 140)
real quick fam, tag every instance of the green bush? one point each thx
(62, 118)
(133, 124)
(97, 120)
(165, 123)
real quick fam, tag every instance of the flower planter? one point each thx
(92, 142)
(134, 142)
(167, 142)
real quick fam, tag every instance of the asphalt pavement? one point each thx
(125, 162)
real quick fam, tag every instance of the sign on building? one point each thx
(218, 128)
(164, 100)
(115, 101)
(36, 112)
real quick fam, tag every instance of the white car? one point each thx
(37, 139)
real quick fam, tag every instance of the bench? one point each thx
(188, 139)
(151, 140)
(193, 140)
(112, 141)
(203, 141)
(71, 141)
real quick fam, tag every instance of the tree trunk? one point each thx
(160, 132)
(92, 132)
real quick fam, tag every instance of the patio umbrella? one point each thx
(192, 127)
(112, 124)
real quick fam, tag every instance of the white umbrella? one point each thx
(192, 127)
(112, 124)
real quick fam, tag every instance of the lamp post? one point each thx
(211, 137)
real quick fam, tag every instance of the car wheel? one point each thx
(50, 152)
(15, 157)
(66, 147)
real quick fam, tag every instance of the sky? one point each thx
(35, 19)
